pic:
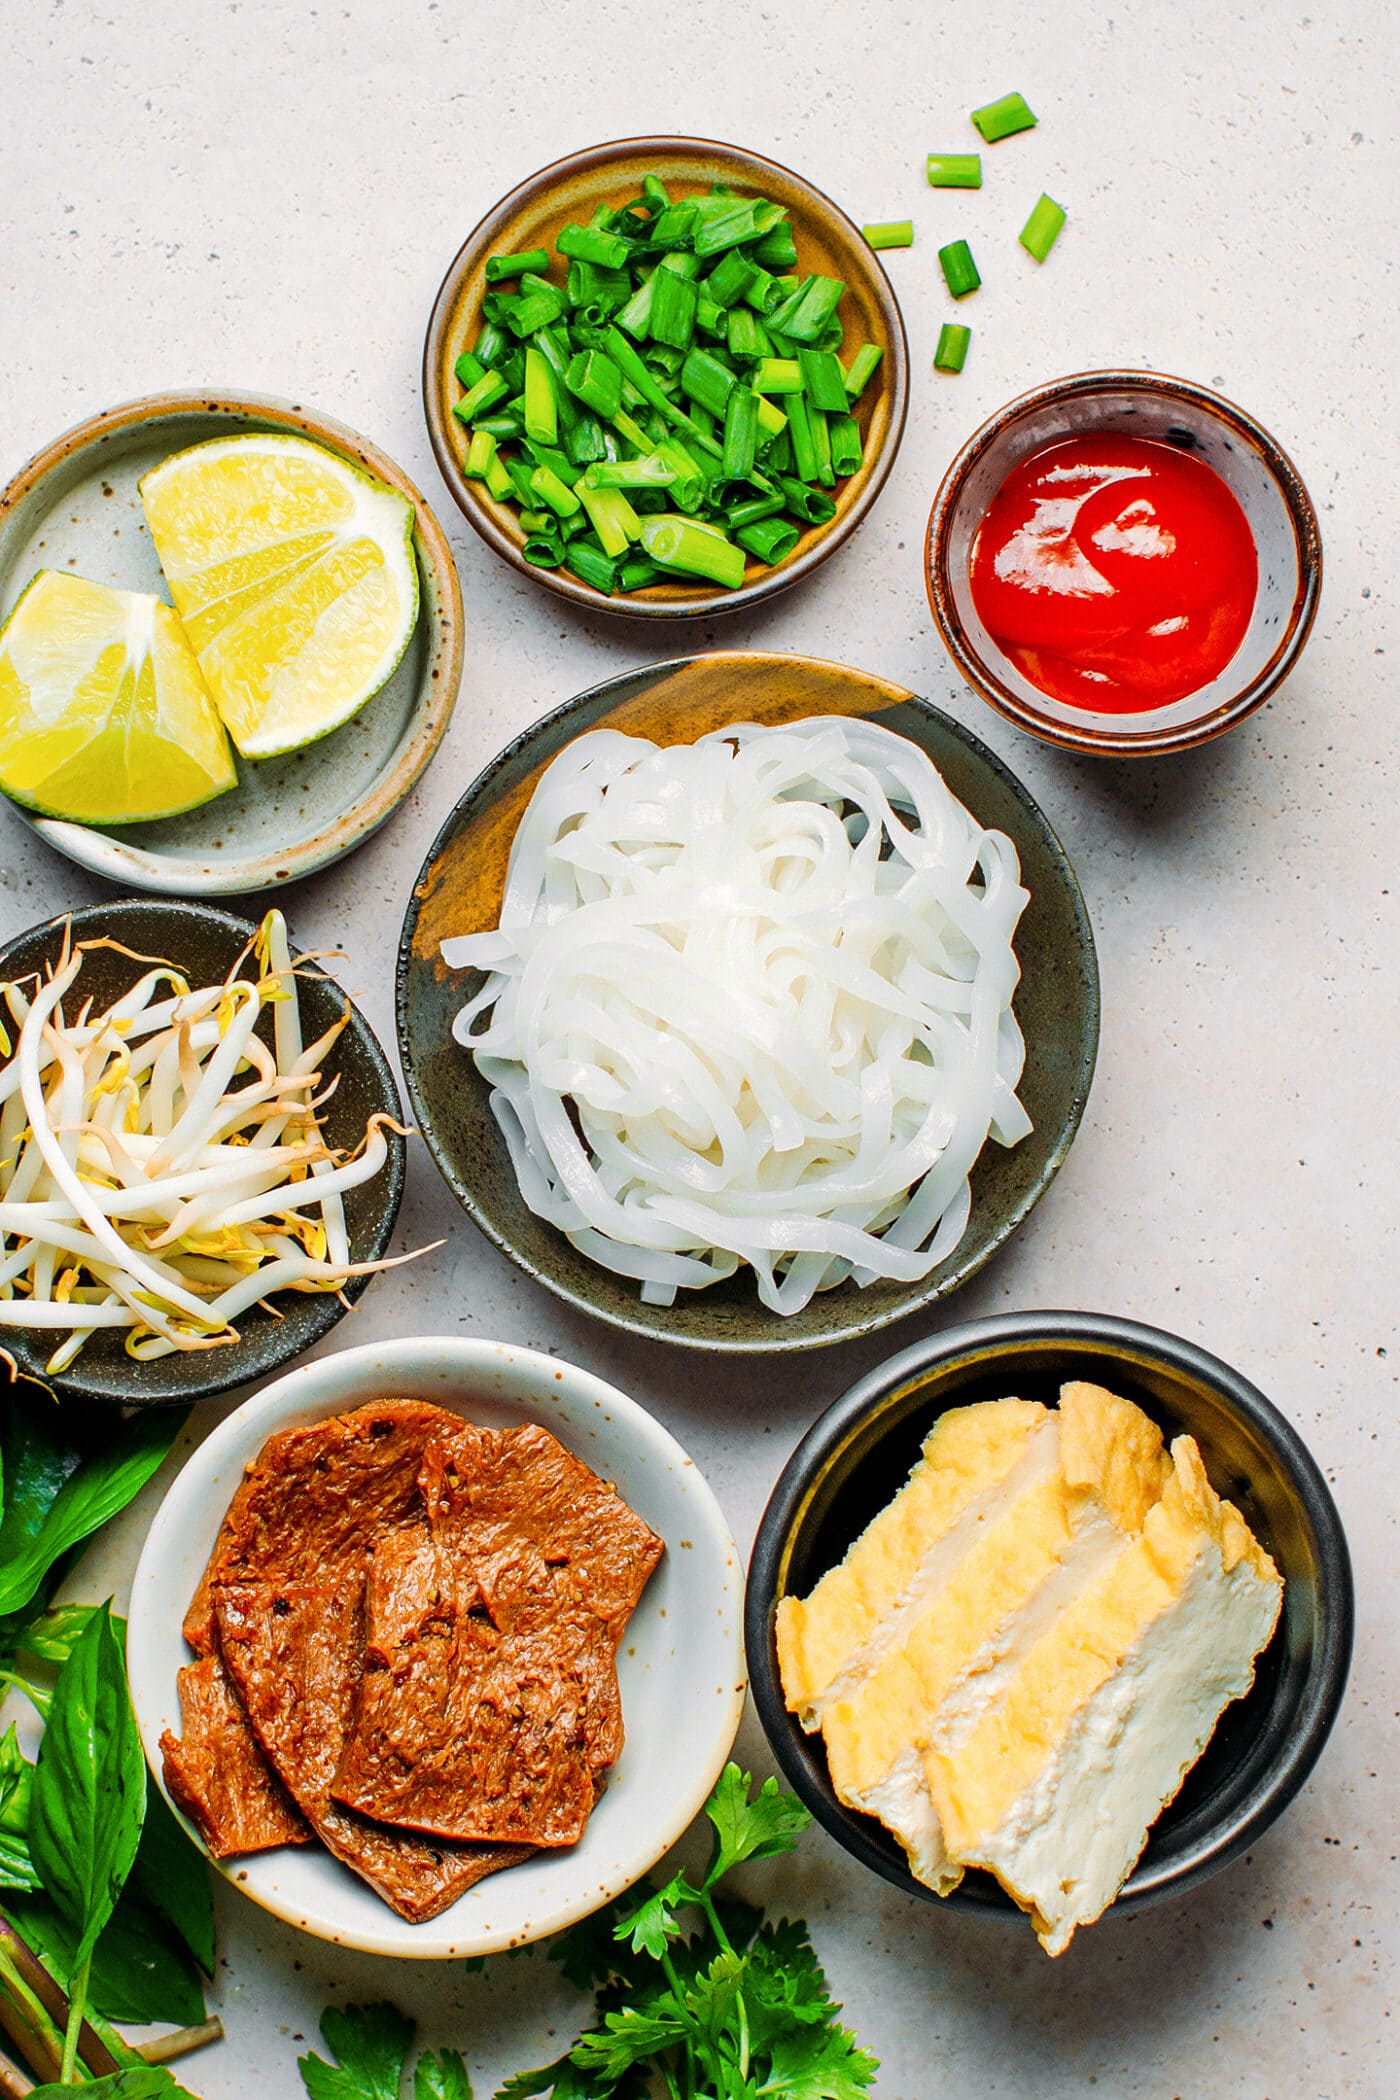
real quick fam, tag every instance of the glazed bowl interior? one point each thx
(459, 890)
(570, 191)
(1210, 429)
(860, 1453)
(77, 507)
(205, 943)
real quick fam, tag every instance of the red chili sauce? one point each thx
(1117, 573)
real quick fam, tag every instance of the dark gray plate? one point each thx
(459, 891)
(857, 1457)
(204, 942)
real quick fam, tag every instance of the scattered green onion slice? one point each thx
(890, 233)
(1042, 229)
(1003, 118)
(951, 354)
(954, 171)
(960, 272)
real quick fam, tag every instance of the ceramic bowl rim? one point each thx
(1323, 1690)
(697, 603)
(1106, 743)
(441, 610)
(218, 1378)
(330, 1384)
(774, 1343)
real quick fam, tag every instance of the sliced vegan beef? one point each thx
(218, 1775)
(295, 1654)
(314, 1500)
(470, 1728)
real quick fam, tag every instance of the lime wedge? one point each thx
(294, 575)
(104, 717)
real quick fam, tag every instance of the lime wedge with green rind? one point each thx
(295, 576)
(105, 717)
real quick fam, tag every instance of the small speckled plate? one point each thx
(459, 891)
(75, 507)
(680, 1667)
(205, 943)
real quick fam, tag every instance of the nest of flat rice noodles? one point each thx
(749, 1002)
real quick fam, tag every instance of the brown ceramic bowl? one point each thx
(205, 943)
(531, 217)
(459, 890)
(77, 505)
(1138, 404)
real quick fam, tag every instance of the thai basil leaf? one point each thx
(89, 1793)
(62, 1503)
(147, 2082)
(171, 1877)
(140, 1971)
(16, 1776)
(42, 1451)
(53, 1635)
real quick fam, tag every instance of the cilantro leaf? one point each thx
(629, 2037)
(747, 1829)
(820, 2063)
(372, 2043)
(565, 2081)
(148, 2082)
(653, 1923)
(441, 2077)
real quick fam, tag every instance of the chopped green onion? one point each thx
(777, 375)
(1042, 229)
(752, 510)
(1002, 119)
(740, 433)
(777, 250)
(710, 317)
(707, 381)
(636, 573)
(499, 267)
(959, 270)
(727, 228)
(823, 381)
(650, 472)
(590, 244)
(594, 292)
(763, 292)
(813, 506)
(862, 368)
(596, 380)
(954, 171)
(821, 445)
(771, 539)
(547, 485)
(771, 420)
(730, 278)
(498, 481)
(951, 354)
(583, 440)
(682, 544)
(846, 452)
(538, 520)
(542, 551)
(611, 516)
(480, 454)
(469, 369)
(804, 451)
(672, 310)
(816, 306)
(541, 401)
(655, 188)
(492, 344)
(890, 233)
(636, 314)
(592, 566)
(488, 389)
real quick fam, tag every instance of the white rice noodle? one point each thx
(749, 1001)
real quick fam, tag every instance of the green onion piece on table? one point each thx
(692, 549)
(863, 367)
(960, 272)
(954, 171)
(500, 267)
(1003, 118)
(1042, 229)
(890, 233)
(951, 354)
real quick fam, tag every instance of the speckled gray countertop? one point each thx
(265, 196)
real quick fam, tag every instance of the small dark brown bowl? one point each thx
(204, 943)
(1253, 466)
(855, 1459)
(570, 190)
(459, 890)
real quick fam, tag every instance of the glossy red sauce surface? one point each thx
(1117, 573)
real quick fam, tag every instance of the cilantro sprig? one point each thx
(696, 1997)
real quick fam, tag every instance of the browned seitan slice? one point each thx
(295, 1654)
(218, 1775)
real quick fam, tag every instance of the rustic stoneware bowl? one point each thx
(680, 1668)
(532, 215)
(459, 891)
(75, 506)
(859, 1454)
(204, 943)
(1134, 404)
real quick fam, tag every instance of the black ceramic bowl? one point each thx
(851, 1463)
(205, 943)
